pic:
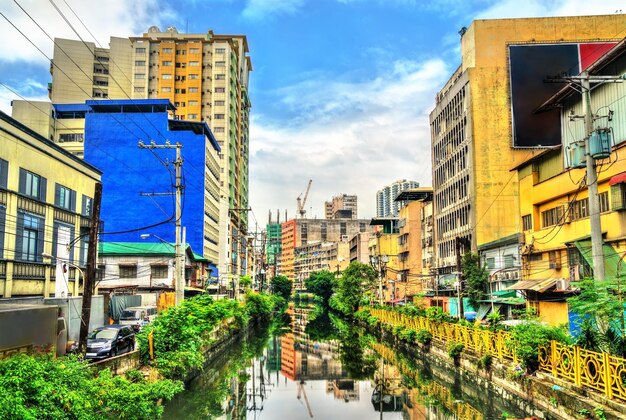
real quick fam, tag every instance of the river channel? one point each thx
(317, 366)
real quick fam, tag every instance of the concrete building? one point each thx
(299, 232)
(318, 256)
(145, 265)
(556, 243)
(482, 125)
(386, 204)
(138, 176)
(204, 75)
(359, 250)
(341, 206)
(46, 197)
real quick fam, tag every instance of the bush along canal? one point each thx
(324, 367)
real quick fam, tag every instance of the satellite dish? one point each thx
(153, 29)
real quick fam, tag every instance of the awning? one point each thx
(504, 293)
(611, 258)
(536, 285)
(618, 179)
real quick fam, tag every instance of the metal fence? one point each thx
(599, 371)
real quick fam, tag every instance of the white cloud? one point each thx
(347, 137)
(260, 9)
(29, 89)
(541, 8)
(103, 19)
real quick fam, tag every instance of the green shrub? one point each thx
(409, 334)
(528, 337)
(455, 350)
(424, 337)
(485, 361)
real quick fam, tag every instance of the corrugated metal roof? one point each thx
(136, 248)
(536, 285)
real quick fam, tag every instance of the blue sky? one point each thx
(341, 89)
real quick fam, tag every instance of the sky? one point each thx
(341, 90)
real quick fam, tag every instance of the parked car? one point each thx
(109, 341)
(138, 316)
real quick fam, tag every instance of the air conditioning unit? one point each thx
(344, 237)
(576, 155)
(562, 284)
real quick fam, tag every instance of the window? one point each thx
(220, 50)
(158, 271)
(84, 245)
(194, 50)
(220, 90)
(219, 103)
(193, 77)
(139, 89)
(218, 129)
(64, 197)
(193, 90)
(218, 116)
(29, 238)
(166, 89)
(220, 64)
(509, 261)
(140, 63)
(527, 222)
(179, 104)
(86, 207)
(4, 173)
(32, 185)
(181, 52)
(552, 217)
(342, 228)
(140, 50)
(128, 271)
(100, 272)
(68, 137)
(618, 196)
(140, 76)
(194, 63)
(193, 103)
(604, 201)
(180, 91)
(490, 263)
(166, 76)
(362, 227)
(220, 77)
(166, 63)
(192, 116)
(166, 50)
(181, 65)
(580, 209)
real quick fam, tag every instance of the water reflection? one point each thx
(322, 367)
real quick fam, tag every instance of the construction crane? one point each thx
(302, 391)
(302, 202)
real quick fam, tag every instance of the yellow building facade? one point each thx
(46, 197)
(475, 194)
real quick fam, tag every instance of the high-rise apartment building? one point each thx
(341, 206)
(386, 206)
(484, 124)
(204, 75)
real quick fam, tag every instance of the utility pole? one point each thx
(459, 275)
(179, 258)
(90, 274)
(584, 81)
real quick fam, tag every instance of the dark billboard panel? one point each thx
(530, 65)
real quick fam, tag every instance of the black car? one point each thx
(109, 341)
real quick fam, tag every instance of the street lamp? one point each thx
(179, 285)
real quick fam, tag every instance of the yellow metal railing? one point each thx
(600, 371)
(479, 341)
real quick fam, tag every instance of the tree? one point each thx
(321, 284)
(355, 281)
(245, 281)
(476, 277)
(282, 286)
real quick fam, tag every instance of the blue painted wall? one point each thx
(111, 144)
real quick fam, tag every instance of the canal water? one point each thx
(317, 366)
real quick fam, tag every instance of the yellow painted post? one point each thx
(151, 344)
(577, 366)
(608, 378)
(553, 352)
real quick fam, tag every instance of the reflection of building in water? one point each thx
(343, 389)
(273, 352)
(388, 392)
(305, 359)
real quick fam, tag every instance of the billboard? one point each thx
(530, 65)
